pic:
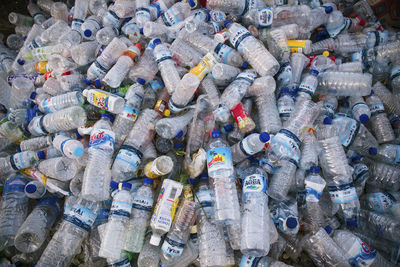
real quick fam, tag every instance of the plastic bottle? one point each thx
(359, 109)
(104, 100)
(149, 255)
(61, 168)
(382, 202)
(90, 27)
(140, 219)
(389, 100)
(113, 239)
(97, 171)
(175, 14)
(164, 211)
(121, 68)
(309, 84)
(71, 148)
(170, 127)
(379, 225)
(314, 185)
(33, 232)
(250, 145)
(35, 189)
(259, 57)
(14, 209)
(281, 181)
(74, 228)
(285, 104)
(285, 216)
(56, 103)
(379, 121)
(19, 161)
(309, 153)
(383, 176)
(345, 83)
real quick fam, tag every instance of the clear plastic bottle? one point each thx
(389, 100)
(71, 148)
(381, 225)
(178, 235)
(61, 168)
(19, 161)
(90, 27)
(14, 209)
(33, 232)
(113, 239)
(184, 54)
(62, 120)
(146, 67)
(117, 73)
(255, 232)
(359, 109)
(140, 219)
(97, 176)
(84, 53)
(75, 227)
(345, 83)
(252, 50)
(380, 123)
(282, 180)
(224, 74)
(175, 14)
(382, 202)
(250, 145)
(314, 185)
(309, 153)
(383, 176)
(35, 189)
(104, 100)
(56, 103)
(285, 104)
(309, 84)
(170, 127)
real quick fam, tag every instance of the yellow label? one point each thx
(204, 67)
(173, 208)
(187, 192)
(100, 99)
(148, 172)
(296, 46)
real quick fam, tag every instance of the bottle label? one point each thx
(238, 36)
(350, 134)
(102, 139)
(35, 43)
(313, 191)
(204, 198)
(254, 183)
(161, 55)
(360, 173)
(160, 105)
(248, 76)
(222, 51)
(98, 70)
(242, 117)
(394, 72)
(121, 209)
(142, 13)
(20, 161)
(204, 66)
(15, 184)
(284, 74)
(288, 143)
(130, 28)
(381, 202)
(101, 99)
(112, 19)
(285, 111)
(331, 108)
(172, 247)
(307, 88)
(81, 217)
(358, 106)
(342, 193)
(156, 84)
(156, 6)
(219, 158)
(143, 203)
(217, 16)
(169, 17)
(102, 216)
(129, 113)
(377, 109)
(46, 105)
(245, 147)
(123, 263)
(264, 17)
(335, 32)
(296, 46)
(130, 155)
(361, 254)
(381, 37)
(249, 261)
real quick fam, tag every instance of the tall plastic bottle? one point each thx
(141, 212)
(113, 236)
(97, 176)
(71, 148)
(250, 145)
(19, 161)
(285, 104)
(359, 109)
(344, 83)
(314, 185)
(170, 127)
(56, 103)
(33, 232)
(104, 100)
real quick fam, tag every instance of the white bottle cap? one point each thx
(85, 92)
(155, 240)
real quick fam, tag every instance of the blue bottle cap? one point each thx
(87, 81)
(203, 176)
(356, 159)
(41, 154)
(328, 120)
(373, 151)
(87, 33)
(148, 181)
(180, 134)
(264, 137)
(108, 116)
(97, 83)
(314, 72)
(33, 95)
(191, 181)
(78, 151)
(352, 223)
(314, 169)
(284, 91)
(141, 31)
(78, 136)
(178, 146)
(18, 149)
(328, 9)
(228, 127)
(328, 229)
(126, 185)
(372, 92)
(226, 23)
(128, 19)
(245, 65)
(141, 81)
(20, 61)
(364, 118)
(30, 188)
(156, 41)
(291, 222)
(216, 134)
(114, 185)
(191, 3)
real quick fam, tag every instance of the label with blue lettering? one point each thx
(342, 193)
(239, 33)
(15, 184)
(219, 158)
(80, 217)
(143, 203)
(361, 254)
(172, 247)
(121, 209)
(313, 190)
(102, 139)
(377, 109)
(130, 155)
(161, 55)
(254, 183)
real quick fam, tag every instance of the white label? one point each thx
(121, 209)
(244, 144)
(35, 128)
(143, 203)
(264, 17)
(80, 216)
(361, 254)
(161, 55)
(358, 106)
(172, 247)
(254, 183)
(351, 132)
(342, 193)
(169, 17)
(129, 157)
(102, 139)
(307, 88)
(381, 202)
(129, 113)
(377, 109)
(285, 111)
(204, 198)
(20, 160)
(238, 34)
(247, 75)
(313, 191)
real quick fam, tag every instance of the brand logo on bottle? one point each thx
(252, 184)
(96, 136)
(216, 159)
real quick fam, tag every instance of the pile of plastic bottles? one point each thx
(200, 133)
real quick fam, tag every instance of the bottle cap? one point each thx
(191, 181)
(326, 53)
(141, 81)
(314, 169)
(328, 120)
(178, 146)
(356, 158)
(126, 185)
(216, 134)
(41, 154)
(148, 181)
(87, 33)
(314, 72)
(141, 31)
(191, 3)
(264, 137)
(372, 92)
(20, 61)
(203, 176)
(78, 151)
(245, 65)
(373, 151)
(138, 45)
(228, 127)
(291, 222)
(114, 185)
(284, 91)
(30, 188)
(364, 118)
(362, 22)
(33, 95)
(87, 81)
(128, 19)
(167, 113)
(18, 149)
(328, 229)
(78, 136)
(328, 9)
(352, 223)
(108, 116)
(155, 240)
(226, 23)
(97, 83)
(156, 41)
(180, 134)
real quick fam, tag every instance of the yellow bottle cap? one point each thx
(167, 113)
(326, 53)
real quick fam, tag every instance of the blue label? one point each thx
(102, 216)
(254, 183)
(362, 255)
(80, 217)
(219, 158)
(343, 193)
(52, 202)
(15, 184)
